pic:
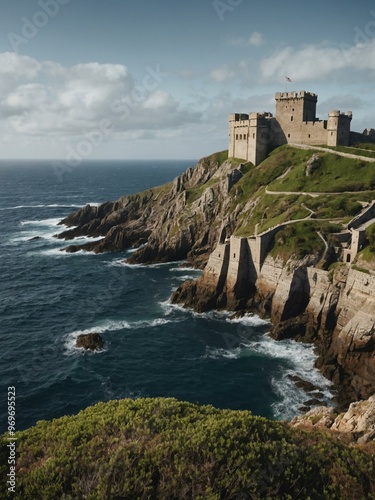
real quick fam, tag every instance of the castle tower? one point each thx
(295, 107)
(338, 128)
(238, 135)
(259, 137)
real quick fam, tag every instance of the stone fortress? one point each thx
(253, 136)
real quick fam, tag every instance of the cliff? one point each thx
(181, 220)
(270, 240)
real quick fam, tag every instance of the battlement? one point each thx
(237, 117)
(296, 95)
(263, 115)
(336, 114)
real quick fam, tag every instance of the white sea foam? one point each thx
(59, 252)
(113, 326)
(169, 308)
(185, 277)
(219, 353)
(249, 320)
(54, 205)
(162, 264)
(185, 268)
(43, 222)
(293, 397)
(123, 263)
(302, 358)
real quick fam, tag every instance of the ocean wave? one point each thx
(293, 398)
(123, 263)
(60, 253)
(163, 264)
(301, 358)
(249, 320)
(54, 205)
(220, 353)
(113, 326)
(185, 268)
(185, 277)
(170, 308)
(42, 222)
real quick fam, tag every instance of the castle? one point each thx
(253, 136)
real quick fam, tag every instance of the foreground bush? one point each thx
(163, 448)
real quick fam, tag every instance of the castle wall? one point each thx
(311, 133)
(217, 265)
(365, 216)
(253, 136)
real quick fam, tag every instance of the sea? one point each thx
(152, 348)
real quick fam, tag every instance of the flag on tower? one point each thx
(288, 79)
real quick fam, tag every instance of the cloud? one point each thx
(241, 71)
(313, 62)
(256, 39)
(66, 102)
(222, 74)
(16, 66)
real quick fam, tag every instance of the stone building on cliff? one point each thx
(253, 136)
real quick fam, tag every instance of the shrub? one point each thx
(163, 448)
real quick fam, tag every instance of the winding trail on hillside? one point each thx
(315, 195)
(339, 153)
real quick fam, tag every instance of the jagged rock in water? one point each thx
(90, 341)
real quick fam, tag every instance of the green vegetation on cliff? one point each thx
(162, 448)
(221, 197)
(333, 174)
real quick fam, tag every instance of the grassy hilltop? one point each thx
(162, 448)
(279, 190)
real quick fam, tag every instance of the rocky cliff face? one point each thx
(195, 217)
(357, 423)
(180, 220)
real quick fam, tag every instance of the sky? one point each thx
(157, 79)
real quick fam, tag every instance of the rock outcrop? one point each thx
(90, 342)
(181, 220)
(357, 422)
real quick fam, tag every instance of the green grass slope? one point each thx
(278, 190)
(163, 448)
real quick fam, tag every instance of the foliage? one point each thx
(298, 239)
(162, 448)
